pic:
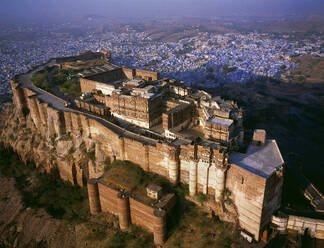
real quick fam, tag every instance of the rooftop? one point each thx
(154, 187)
(261, 160)
(128, 177)
(220, 121)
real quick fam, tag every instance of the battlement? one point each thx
(129, 208)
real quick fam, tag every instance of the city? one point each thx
(202, 60)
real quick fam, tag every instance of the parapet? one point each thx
(159, 226)
(123, 211)
(259, 137)
(93, 194)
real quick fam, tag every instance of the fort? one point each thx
(165, 127)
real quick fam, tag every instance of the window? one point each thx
(242, 180)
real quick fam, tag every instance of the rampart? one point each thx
(255, 197)
(203, 166)
(314, 227)
(100, 110)
(102, 81)
(114, 142)
(129, 209)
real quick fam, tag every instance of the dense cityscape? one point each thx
(202, 60)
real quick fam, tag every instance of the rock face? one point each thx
(21, 227)
(70, 155)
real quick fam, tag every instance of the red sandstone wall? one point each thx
(147, 74)
(141, 214)
(156, 157)
(108, 199)
(136, 152)
(87, 85)
(248, 195)
(187, 154)
(100, 98)
(128, 73)
(130, 210)
(218, 132)
(108, 76)
(91, 107)
(136, 108)
(272, 197)
(177, 116)
(111, 143)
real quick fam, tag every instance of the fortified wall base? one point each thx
(315, 227)
(128, 209)
(116, 143)
(254, 198)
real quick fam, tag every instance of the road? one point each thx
(310, 191)
(59, 104)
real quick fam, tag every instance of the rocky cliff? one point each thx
(72, 155)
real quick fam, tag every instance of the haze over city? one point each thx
(58, 10)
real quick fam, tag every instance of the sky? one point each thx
(63, 9)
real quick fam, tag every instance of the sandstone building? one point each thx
(165, 127)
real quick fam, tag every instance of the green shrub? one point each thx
(61, 199)
(59, 78)
(71, 87)
(226, 196)
(144, 177)
(39, 79)
(136, 237)
(97, 234)
(200, 197)
(182, 190)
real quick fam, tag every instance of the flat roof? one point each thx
(220, 121)
(148, 95)
(261, 160)
(154, 187)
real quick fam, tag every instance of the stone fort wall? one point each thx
(315, 227)
(136, 108)
(129, 210)
(204, 169)
(151, 155)
(99, 80)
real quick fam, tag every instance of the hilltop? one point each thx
(309, 69)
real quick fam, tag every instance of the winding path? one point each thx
(60, 104)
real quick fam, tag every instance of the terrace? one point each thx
(130, 178)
